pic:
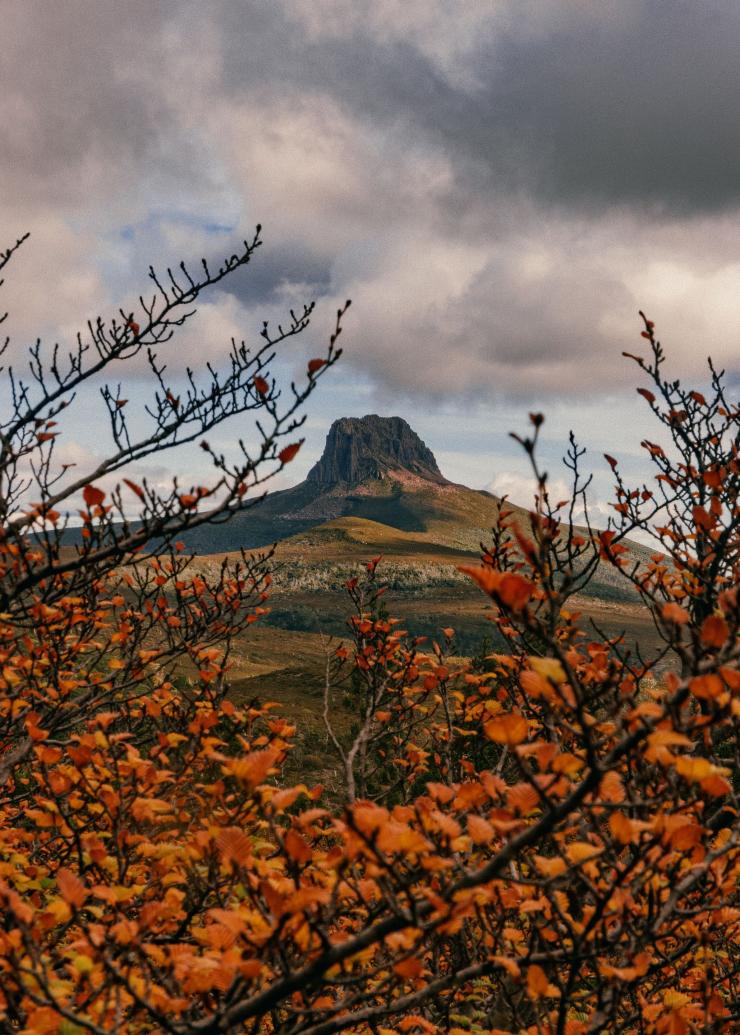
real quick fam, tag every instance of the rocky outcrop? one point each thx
(371, 447)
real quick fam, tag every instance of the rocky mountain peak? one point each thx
(368, 447)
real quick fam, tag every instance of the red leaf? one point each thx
(646, 394)
(136, 489)
(261, 385)
(315, 364)
(287, 454)
(702, 519)
(93, 496)
(133, 326)
(611, 461)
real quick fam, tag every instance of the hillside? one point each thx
(372, 467)
(377, 490)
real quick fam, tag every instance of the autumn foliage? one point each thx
(546, 845)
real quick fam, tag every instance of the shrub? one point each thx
(549, 845)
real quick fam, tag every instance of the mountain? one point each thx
(372, 467)
(377, 489)
(358, 448)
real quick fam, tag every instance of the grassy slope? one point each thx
(284, 658)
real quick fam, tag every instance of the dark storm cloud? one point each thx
(630, 103)
(499, 186)
(637, 108)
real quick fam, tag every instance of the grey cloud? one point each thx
(275, 266)
(488, 184)
(634, 104)
(95, 107)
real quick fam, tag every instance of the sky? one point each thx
(499, 187)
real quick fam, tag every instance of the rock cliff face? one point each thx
(368, 447)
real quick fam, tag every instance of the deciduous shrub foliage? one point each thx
(548, 845)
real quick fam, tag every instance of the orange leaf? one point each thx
(714, 631)
(716, 785)
(514, 591)
(537, 983)
(73, 891)
(93, 496)
(484, 576)
(622, 828)
(507, 729)
(611, 788)
(706, 687)
(536, 685)
(666, 737)
(234, 844)
(254, 767)
(694, 769)
(581, 851)
(480, 830)
(550, 866)
(297, 847)
(509, 965)
(523, 797)
(286, 455)
(410, 968)
(673, 612)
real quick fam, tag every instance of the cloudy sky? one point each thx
(499, 186)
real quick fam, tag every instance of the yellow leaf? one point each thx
(694, 769)
(548, 668)
(253, 767)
